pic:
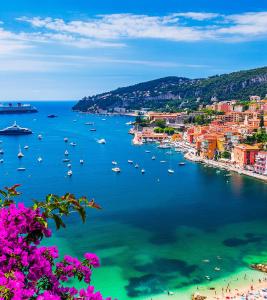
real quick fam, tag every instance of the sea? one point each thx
(156, 232)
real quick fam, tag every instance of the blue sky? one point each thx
(71, 48)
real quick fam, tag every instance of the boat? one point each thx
(73, 144)
(92, 129)
(181, 163)
(39, 136)
(116, 170)
(69, 165)
(136, 166)
(114, 162)
(21, 169)
(217, 269)
(101, 141)
(171, 171)
(143, 171)
(66, 139)
(69, 173)
(81, 161)
(18, 108)
(147, 151)
(130, 123)
(164, 146)
(26, 147)
(39, 159)
(15, 130)
(89, 123)
(66, 160)
(103, 119)
(153, 157)
(52, 116)
(130, 161)
(163, 161)
(66, 153)
(1, 151)
(20, 154)
(1, 160)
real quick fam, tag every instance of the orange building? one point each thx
(245, 155)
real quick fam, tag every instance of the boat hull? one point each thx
(15, 133)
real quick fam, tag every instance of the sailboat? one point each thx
(20, 154)
(66, 153)
(39, 159)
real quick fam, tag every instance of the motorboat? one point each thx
(39, 159)
(73, 144)
(101, 141)
(66, 160)
(114, 162)
(147, 151)
(69, 173)
(40, 137)
(1, 160)
(21, 169)
(66, 139)
(26, 147)
(163, 161)
(130, 161)
(181, 163)
(1, 151)
(89, 123)
(20, 154)
(143, 171)
(69, 165)
(153, 157)
(171, 171)
(92, 129)
(81, 161)
(116, 170)
(52, 116)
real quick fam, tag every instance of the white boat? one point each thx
(164, 146)
(217, 269)
(116, 170)
(26, 147)
(69, 165)
(103, 119)
(81, 161)
(69, 173)
(114, 162)
(73, 144)
(130, 161)
(39, 136)
(66, 153)
(171, 171)
(143, 171)
(136, 166)
(89, 123)
(163, 161)
(101, 141)
(66, 160)
(181, 163)
(147, 151)
(1, 151)
(66, 140)
(21, 169)
(153, 157)
(20, 154)
(1, 160)
(39, 159)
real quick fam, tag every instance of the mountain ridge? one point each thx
(176, 93)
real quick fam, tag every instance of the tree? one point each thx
(226, 154)
(261, 121)
(160, 123)
(30, 271)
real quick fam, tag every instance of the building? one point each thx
(255, 98)
(245, 155)
(261, 163)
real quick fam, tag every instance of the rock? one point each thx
(198, 297)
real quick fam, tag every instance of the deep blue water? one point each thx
(148, 220)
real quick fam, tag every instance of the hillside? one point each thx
(174, 93)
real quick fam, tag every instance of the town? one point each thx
(226, 134)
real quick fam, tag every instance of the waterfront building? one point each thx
(255, 98)
(245, 155)
(261, 163)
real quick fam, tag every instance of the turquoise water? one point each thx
(155, 229)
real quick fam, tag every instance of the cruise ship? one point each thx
(19, 108)
(15, 130)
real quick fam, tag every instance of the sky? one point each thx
(67, 49)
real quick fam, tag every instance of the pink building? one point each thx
(261, 163)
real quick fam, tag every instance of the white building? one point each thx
(261, 163)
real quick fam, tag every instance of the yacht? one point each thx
(136, 166)
(153, 157)
(130, 161)
(1, 160)
(143, 171)
(164, 146)
(69, 165)
(89, 123)
(92, 129)
(73, 144)
(171, 171)
(69, 173)
(116, 170)
(66, 160)
(147, 151)
(81, 161)
(21, 169)
(163, 161)
(15, 130)
(66, 139)
(1, 151)
(26, 147)
(101, 141)
(114, 162)
(52, 116)
(20, 154)
(39, 136)
(66, 153)
(181, 163)
(39, 159)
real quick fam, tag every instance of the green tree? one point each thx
(160, 123)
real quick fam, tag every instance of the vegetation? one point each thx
(226, 154)
(258, 137)
(179, 93)
(160, 123)
(31, 271)
(141, 121)
(168, 130)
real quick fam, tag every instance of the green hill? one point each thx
(175, 93)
